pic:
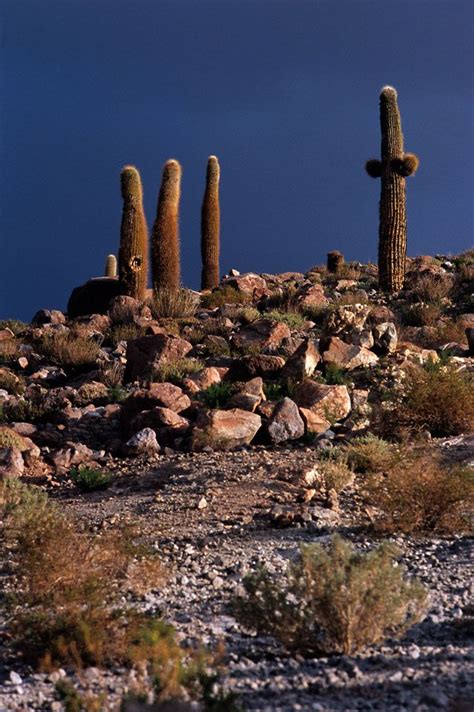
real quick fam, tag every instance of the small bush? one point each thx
(245, 315)
(170, 304)
(69, 351)
(432, 287)
(14, 325)
(419, 495)
(333, 375)
(293, 320)
(369, 453)
(332, 601)
(436, 398)
(9, 351)
(175, 371)
(124, 332)
(217, 395)
(421, 314)
(111, 374)
(88, 479)
(335, 471)
(224, 295)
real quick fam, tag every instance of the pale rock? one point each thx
(11, 462)
(225, 429)
(143, 442)
(285, 422)
(347, 356)
(385, 337)
(302, 363)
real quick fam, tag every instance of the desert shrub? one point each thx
(171, 304)
(349, 297)
(431, 287)
(369, 453)
(216, 395)
(175, 371)
(9, 351)
(292, 319)
(436, 398)
(421, 314)
(11, 383)
(111, 373)
(74, 701)
(332, 601)
(245, 315)
(124, 332)
(333, 375)
(88, 479)
(335, 472)
(24, 411)
(224, 295)
(420, 495)
(69, 351)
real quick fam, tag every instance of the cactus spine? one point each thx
(394, 167)
(210, 226)
(165, 237)
(111, 266)
(133, 254)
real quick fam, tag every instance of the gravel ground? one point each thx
(208, 516)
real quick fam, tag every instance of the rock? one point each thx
(202, 379)
(47, 316)
(314, 422)
(285, 422)
(75, 454)
(263, 333)
(225, 429)
(11, 462)
(167, 424)
(312, 296)
(127, 310)
(380, 315)
(327, 402)
(162, 395)
(346, 320)
(143, 442)
(148, 352)
(262, 364)
(6, 335)
(303, 361)
(248, 283)
(248, 396)
(93, 297)
(92, 325)
(385, 337)
(346, 356)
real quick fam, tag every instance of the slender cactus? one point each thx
(394, 167)
(210, 226)
(165, 237)
(111, 266)
(133, 254)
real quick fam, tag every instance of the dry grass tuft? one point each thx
(69, 351)
(334, 600)
(174, 304)
(224, 295)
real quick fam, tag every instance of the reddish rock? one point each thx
(6, 335)
(202, 379)
(302, 363)
(248, 396)
(225, 429)
(313, 296)
(127, 310)
(263, 333)
(11, 462)
(346, 319)
(87, 326)
(285, 422)
(249, 283)
(148, 352)
(262, 364)
(328, 402)
(163, 395)
(380, 314)
(314, 423)
(346, 355)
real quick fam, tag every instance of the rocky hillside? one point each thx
(229, 427)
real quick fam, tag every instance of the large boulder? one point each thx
(347, 356)
(127, 310)
(302, 363)
(285, 422)
(321, 405)
(249, 283)
(225, 429)
(161, 395)
(147, 353)
(93, 297)
(263, 334)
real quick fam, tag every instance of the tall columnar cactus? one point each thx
(133, 254)
(210, 226)
(111, 266)
(165, 237)
(394, 167)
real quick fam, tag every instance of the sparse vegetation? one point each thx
(293, 320)
(174, 303)
(217, 395)
(175, 371)
(369, 453)
(334, 600)
(224, 295)
(69, 351)
(420, 495)
(89, 479)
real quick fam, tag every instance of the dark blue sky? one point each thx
(284, 92)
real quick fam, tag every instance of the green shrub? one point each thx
(332, 601)
(124, 332)
(224, 295)
(9, 351)
(175, 371)
(88, 479)
(14, 325)
(174, 304)
(293, 320)
(11, 383)
(369, 453)
(217, 395)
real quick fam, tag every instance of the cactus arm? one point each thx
(210, 226)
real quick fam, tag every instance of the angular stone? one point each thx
(330, 403)
(163, 395)
(285, 422)
(48, 316)
(143, 442)
(346, 356)
(148, 352)
(312, 296)
(262, 364)
(127, 310)
(345, 319)
(202, 379)
(264, 333)
(248, 283)
(302, 363)
(314, 422)
(385, 337)
(248, 396)
(225, 429)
